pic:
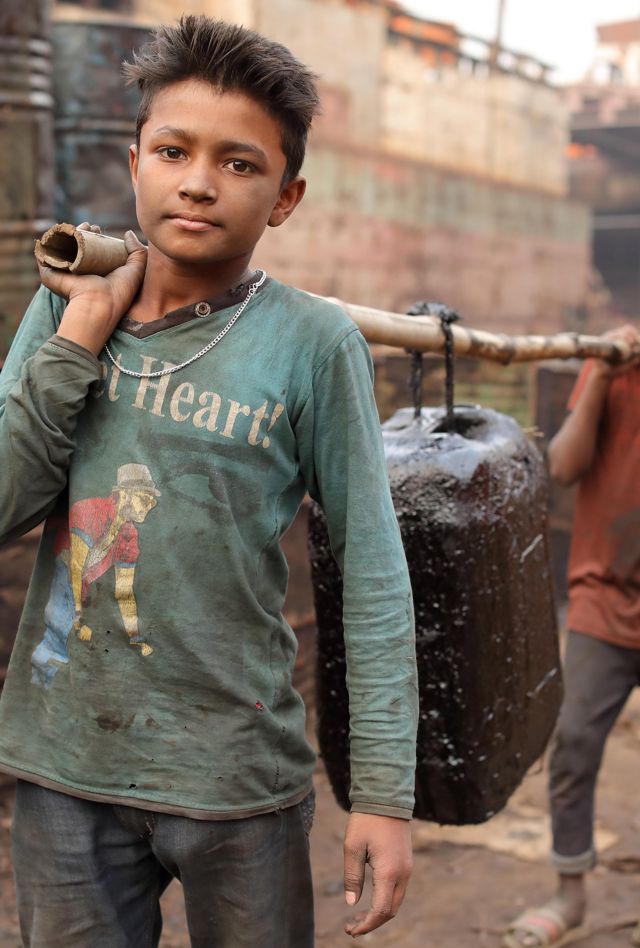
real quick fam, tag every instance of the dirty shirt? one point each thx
(153, 665)
(604, 565)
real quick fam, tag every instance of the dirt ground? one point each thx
(468, 882)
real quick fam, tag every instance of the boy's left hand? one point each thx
(385, 843)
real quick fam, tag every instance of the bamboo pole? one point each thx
(424, 334)
(81, 251)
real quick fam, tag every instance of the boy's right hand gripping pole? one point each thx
(65, 247)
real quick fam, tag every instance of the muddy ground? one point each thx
(462, 891)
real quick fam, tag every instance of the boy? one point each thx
(597, 446)
(148, 712)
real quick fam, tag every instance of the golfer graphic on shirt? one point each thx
(102, 533)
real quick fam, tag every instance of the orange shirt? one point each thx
(604, 566)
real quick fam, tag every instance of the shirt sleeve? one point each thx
(343, 464)
(43, 387)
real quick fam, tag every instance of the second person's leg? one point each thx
(598, 678)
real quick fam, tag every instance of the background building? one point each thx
(605, 160)
(438, 169)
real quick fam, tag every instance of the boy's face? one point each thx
(208, 174)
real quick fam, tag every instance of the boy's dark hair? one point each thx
(231, 58)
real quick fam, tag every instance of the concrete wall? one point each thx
(499, 126)
(385, 232)
(344, 45)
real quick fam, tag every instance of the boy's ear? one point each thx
(290, 196)
(133, 164)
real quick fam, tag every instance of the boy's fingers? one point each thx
(381, 911)
(399, 894)
(137, 259)
(355, 858)
(383, 907)
(85, 225)
(367, 923)
(54, 280)
(132, 243)
(388, 895)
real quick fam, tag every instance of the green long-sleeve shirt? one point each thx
(153, 665)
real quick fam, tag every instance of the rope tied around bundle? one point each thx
(447, 318)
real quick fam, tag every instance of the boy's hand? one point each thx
(385, 843)
(629, 334)
(96, 304)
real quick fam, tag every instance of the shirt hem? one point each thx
(157, 806)
(607, 637)
(592, 612)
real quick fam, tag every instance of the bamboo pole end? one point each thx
(60, 247)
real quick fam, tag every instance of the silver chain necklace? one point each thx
(214, 342)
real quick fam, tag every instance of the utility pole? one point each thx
(497, 42)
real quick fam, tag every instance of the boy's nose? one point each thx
(198, 189)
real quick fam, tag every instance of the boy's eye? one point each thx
(171, 152)
(240, 166)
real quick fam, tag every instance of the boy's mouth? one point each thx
(193, 222)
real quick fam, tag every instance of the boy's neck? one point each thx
(169, 285)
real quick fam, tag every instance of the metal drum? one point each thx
(26, 154)
(95, 117)
(472, 509)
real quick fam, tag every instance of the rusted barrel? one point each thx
(472, 509)
(26, 153)
(94, 122)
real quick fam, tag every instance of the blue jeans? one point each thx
(90, 875)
